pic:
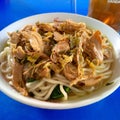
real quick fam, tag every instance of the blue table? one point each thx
(107, 109)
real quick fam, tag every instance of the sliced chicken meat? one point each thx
(54, 57)
(61, 46)
(58, 37)
(69, 26)
(45, 27)
(18, 81)
(19, 52)
(93, 47)
(70, 72)
(36, 42)
(15, 37)
(91, 81)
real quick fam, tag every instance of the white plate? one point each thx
(83, 101)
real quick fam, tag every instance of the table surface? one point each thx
(106, 109)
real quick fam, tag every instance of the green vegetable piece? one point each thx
(31, 80)
(110, 83)
(57, 93)
(67, 89)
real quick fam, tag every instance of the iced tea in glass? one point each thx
(107, 11)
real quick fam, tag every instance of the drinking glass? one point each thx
(108, 11)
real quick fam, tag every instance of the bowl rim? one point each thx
(50, 105)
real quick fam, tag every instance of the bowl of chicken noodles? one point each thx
(59, 60)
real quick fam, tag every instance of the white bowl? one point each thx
(83, 101)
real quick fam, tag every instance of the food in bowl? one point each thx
(57, 61)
